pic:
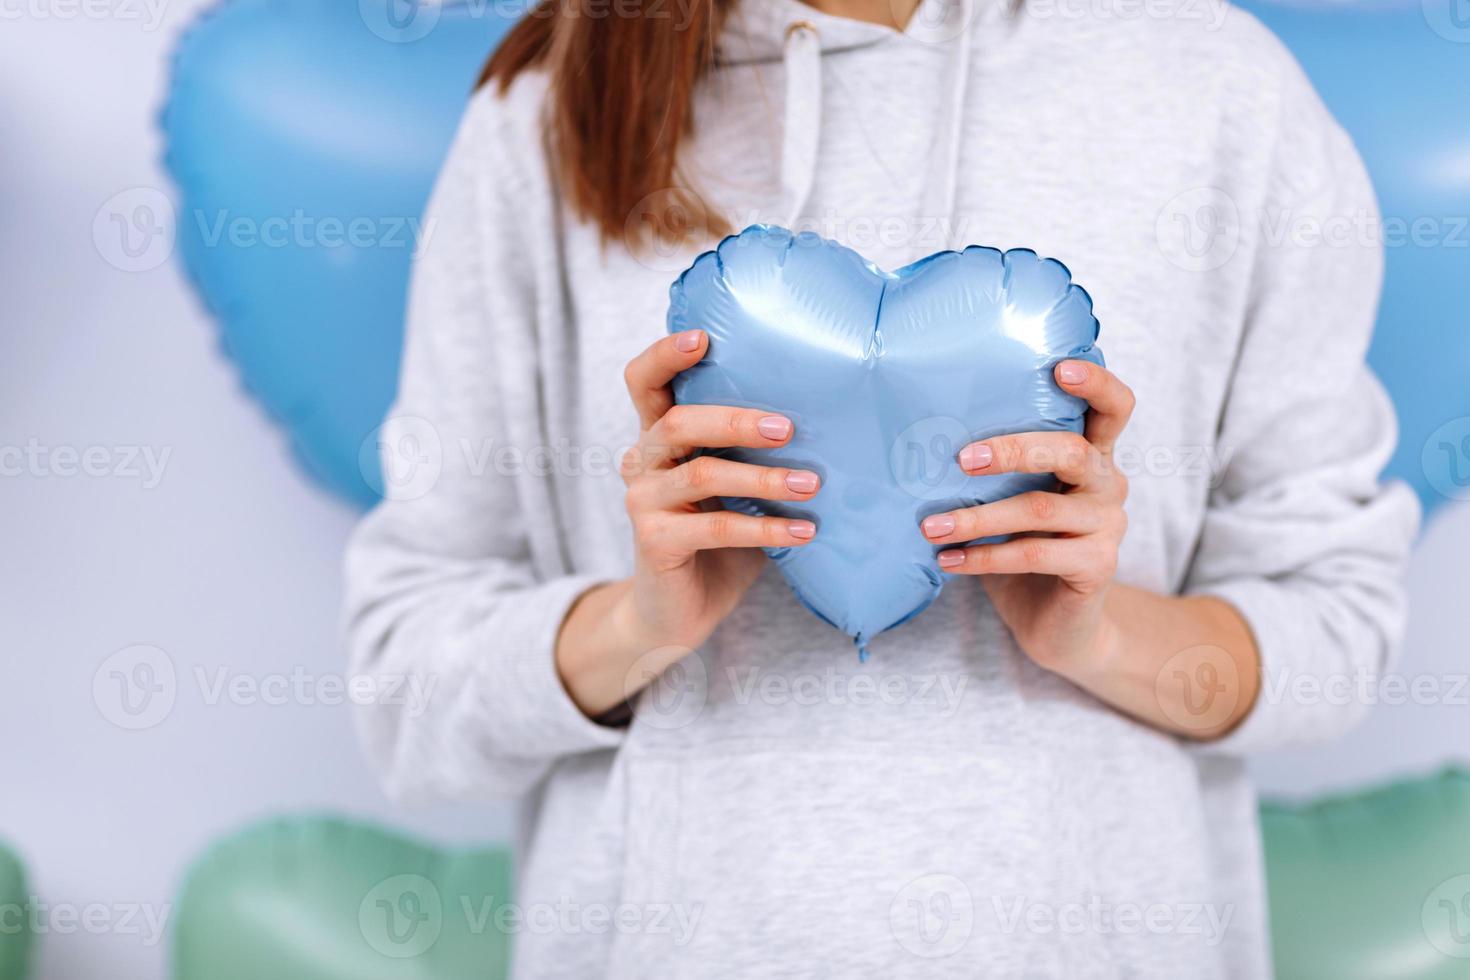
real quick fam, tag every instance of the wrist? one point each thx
(1107, 645)
(1100, 651)
(627, 635)
(608, 651)
(588, 649)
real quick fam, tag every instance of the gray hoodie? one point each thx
(947, 809)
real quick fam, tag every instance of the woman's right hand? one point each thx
(693, 560)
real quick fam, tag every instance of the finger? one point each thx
(687, 533)
(1056, 513)
(648, 375)
(1109, 400)
(705, 477)
(685, 428)
(1073, 559)
(1072, 458)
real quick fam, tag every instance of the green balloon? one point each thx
(325, 899)
(15, 920)
(1374, 886)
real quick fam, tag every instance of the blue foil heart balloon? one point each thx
(886, 375)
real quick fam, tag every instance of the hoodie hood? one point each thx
(757, 31)
(799, 36)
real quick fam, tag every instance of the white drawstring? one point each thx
(801, 56)
(939, 193)
(802, 59)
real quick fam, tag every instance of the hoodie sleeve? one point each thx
(448, 623)
(1299, 534)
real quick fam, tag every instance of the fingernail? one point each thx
(949, 559)
(938, 526)
(688, 341)
(802, 529)
(975, 456)
(774, 427)
(1072, 372)
(801, 482)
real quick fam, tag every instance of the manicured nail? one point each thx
(949, 559)
(975, 456)
(774, 427)
(938, 526)
(1072, 372)
(688, 341)
(801, 482)
(802, 529)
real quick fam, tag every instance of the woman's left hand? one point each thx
(1049, 584)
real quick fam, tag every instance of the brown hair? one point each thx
(620, 104)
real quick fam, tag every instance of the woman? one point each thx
(1041, 775)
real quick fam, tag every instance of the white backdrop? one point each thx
(231, 560)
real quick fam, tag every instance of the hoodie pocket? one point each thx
(761, 861)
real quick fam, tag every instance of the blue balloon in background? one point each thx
(1397, 75)
(886, 376)
(328, 108)
(304, 137)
